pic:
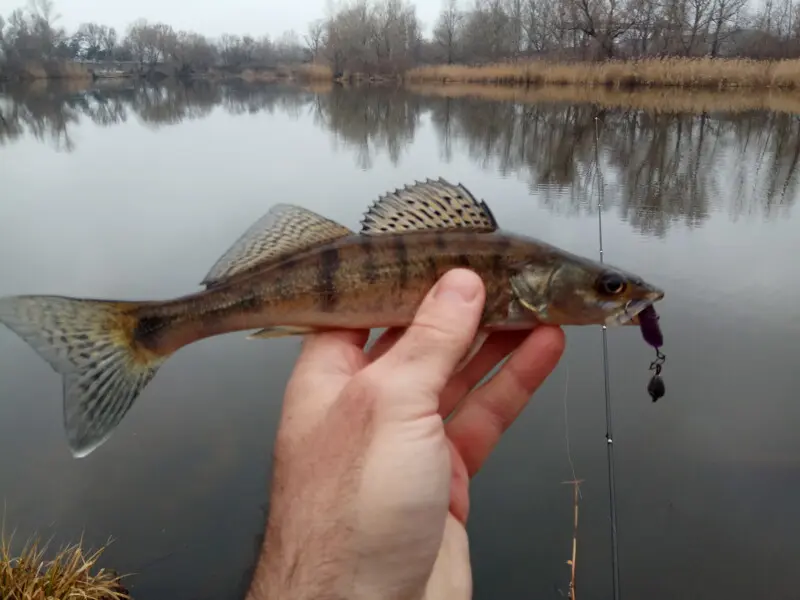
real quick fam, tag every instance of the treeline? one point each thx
(385, 36)
(494, 30)
(33, 34)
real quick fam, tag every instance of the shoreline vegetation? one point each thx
(708, 74)
(713, 44)
(704, 73)
(76, 71)
(72, 573)
(652, 99)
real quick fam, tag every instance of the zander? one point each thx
(295, 272)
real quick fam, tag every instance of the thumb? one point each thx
(424, 358)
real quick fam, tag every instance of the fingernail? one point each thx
(459, 285)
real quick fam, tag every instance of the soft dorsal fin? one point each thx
(284, 230)
(428, 205)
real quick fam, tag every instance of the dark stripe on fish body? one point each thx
(249, 302)
(329, 262)
(433, 268)
(401, 255)
(288, 264)
(498, 263)
(147, 326)
(369, 269)
(281, 287)
(441, 241)
(462, 260)
(499, 257)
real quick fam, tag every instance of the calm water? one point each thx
(134, 193)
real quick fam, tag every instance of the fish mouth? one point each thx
(629, 315)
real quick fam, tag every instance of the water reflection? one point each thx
(656, 167)
(707, 478)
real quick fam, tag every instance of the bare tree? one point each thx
(315, 37)
(603, 21)
(149, 43)
(447, 32)
(374, 37)
(725, 15)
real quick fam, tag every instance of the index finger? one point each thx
(483, 417)
(326, 363)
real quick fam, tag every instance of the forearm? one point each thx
(290, 570)
(287, 570)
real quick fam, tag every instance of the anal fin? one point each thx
(269, 333)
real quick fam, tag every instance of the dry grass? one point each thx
(659, 100)
(252, 76)
(672, 72)
(313, 72)
(68, 576)
(33, 71)
(54, 70)
(304, 73)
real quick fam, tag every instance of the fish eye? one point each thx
(611, 284)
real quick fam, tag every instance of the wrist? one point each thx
(451, 578)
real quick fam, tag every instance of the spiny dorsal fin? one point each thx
(428, 205)
(284, 230)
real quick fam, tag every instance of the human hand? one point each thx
(370, 486)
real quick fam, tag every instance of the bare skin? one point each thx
(370, 491)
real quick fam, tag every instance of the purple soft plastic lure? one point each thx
(651, 332)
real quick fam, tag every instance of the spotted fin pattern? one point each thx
(428, 205)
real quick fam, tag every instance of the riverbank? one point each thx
(71, 574)
(32, 71)
(703, 73)
(67, 70)
(659, 100)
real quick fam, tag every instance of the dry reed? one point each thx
(652, 100)
(573, 560)
(313, 72)
(51, 70)
(714, 73)
(69, 575)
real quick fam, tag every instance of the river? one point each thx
(134, 192)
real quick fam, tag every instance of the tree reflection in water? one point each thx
(659, 167)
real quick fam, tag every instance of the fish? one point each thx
(295, 272)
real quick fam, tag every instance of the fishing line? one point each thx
(609, 435)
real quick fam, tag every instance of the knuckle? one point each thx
(443, 330)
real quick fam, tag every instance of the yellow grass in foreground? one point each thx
(671, 72)
(651, 100)
(68, 576)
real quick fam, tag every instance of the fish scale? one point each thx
(295, 272)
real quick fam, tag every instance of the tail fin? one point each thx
(91, 344)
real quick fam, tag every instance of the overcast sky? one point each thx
(211, 17)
